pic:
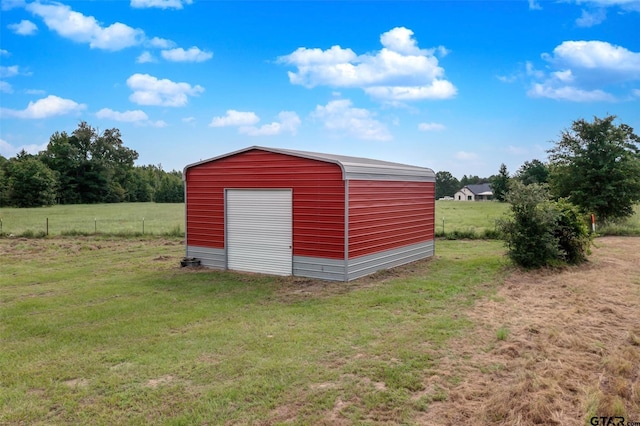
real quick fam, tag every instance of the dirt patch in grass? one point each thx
(77, 383)
(571, 350)
(154, 383)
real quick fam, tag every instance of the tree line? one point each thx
(594, 166)
(85, 167)
(534, 171)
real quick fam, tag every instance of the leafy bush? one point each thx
(470, 234)
(572, 233)
(541, 232)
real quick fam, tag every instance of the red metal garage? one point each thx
(287, 212)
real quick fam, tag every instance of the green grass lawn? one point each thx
(117, 218)
(467, 218)
(628, 227)
(97, 330)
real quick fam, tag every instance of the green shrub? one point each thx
(470, 234)
(29, 233)
(541, 232)
(572, 233)
(174, 232)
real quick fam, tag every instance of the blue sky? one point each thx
(461, 86)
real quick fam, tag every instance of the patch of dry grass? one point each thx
(572, 350)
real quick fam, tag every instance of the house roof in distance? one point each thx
(356, 168)
(481, 189)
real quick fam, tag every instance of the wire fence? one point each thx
(43, 227)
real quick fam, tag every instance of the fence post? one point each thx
(443, 226)
(95, 225)
(143, 226)
(47, 227)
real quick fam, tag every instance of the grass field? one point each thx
(106, 330)
(119, 218)
(453, 220)
(98, 330)
(468, 219)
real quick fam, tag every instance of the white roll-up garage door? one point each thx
(259, 230)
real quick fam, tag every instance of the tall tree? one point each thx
(93, 167)
(597, 167)
(446, 184)
(500, 183)
(29, 182)
(534, 171)
(64, 158)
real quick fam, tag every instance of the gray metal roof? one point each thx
(481, 189)
(353, 168)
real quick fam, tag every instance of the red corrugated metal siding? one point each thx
(318, 198)
(384, 215)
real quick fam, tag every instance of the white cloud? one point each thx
(160, 43)
(532, 72)
(189, 120)
(507, 78)
(149, 90)
(598, 56)
(8, 150)
(11, 71)
(339, 116)
(86, 29)
(636, 93)
(465, 156)
(438, 89)
(235, 118)
(400, 39)
(193, 54)
(127, 116)
(429, 127)
(137, 117)
(117, 36)
(628, 5)
(5, 87)
(397, 72)
(581, 70)
(569, 93)
(534, 5)
(289, 123)
(590, 19)
(145, 57)
(37, 92)
(565, 76)
(11, 4)
(161, 4)
(159, 123)
(43, 108)
(24, 27)
(246, 120)
(4, 52)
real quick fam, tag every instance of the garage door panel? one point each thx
(259, 231)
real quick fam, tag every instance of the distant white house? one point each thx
(480, 192)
